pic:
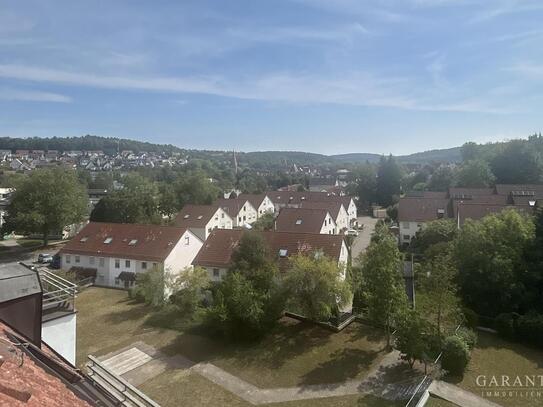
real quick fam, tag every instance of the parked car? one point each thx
(55, 263)
(45, 258)
(352, 232)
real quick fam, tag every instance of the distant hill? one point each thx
(357, 157)
(107, 144)
(444, 155)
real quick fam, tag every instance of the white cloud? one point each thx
(33, 96)
(356, 88)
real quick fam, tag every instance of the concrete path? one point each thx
(458, 396)
(139, 362)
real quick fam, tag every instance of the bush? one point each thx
(468, 336)
(530, 328)
(471, 318)
(455, 355)
(506, 325)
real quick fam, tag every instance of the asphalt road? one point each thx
(363, 239)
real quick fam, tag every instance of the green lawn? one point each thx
(437, 402)
(495, 356)
(29, 242)
(293, 354)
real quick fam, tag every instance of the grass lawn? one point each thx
(30, 242)
(495, 356)
(293, 354)
(179, 388)
(437, 402)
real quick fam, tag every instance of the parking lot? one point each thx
(367, 223)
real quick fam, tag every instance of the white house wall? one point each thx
(328, 226)
(246, 215)
(266, 206)
(183, 253)
(60, 334)
(408, 230)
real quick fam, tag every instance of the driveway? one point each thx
(363, 239)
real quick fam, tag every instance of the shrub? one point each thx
(455, 355)
(506, 325)
(469, 336)
(471, 318)
(530, 328)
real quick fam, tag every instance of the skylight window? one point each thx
(298, 221)
(283, 252)
(186, 216)
(133, 242)
(84, 239)
(199, 217)
(108, 240)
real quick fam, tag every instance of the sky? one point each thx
(325, 76)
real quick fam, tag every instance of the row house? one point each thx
(203, 219)
(242, 212)
(261, 202)
(116, 252)
(216, 254)
(335, 209)
(460, 204)
(303, 220)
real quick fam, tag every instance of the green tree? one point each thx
(414, 337)
(438, 283)
(475, 174)
(442, 178)
(389, 178)
(137, 202)
(248, 302)
(45, 202)
(264, 222)
(518, 162)
(195, 189)
(434, 232)
(168, 205)
(381, 280)
(455, 355)
(188, 289)
(364, 185)
(316, 286)
(151, 287)
(490, 255)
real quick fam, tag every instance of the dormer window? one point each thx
(133, 242)
(283, 252)
(298, 221)
(199, 217)
(531, 203)
(84, 239)
(186, 216)
(108, 240)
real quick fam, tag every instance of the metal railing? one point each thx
(116, 387)
(56, 290)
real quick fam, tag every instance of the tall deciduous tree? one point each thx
(475, 174)
(249, 301)
(414, 337)
(46, 202)
(316, 286)
(438, 282)
(382, 282)
(433, 233)
(490, 255)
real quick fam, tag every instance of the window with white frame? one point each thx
(127, 263)
(68, 259)
(101, 262)
(77, 259)
(91, 260)
(117, 263)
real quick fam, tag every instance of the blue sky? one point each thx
(327, 76)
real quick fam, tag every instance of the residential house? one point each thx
(5, 199)
(322, 184)
(203, 219)
(17, 165)
(115, 253)
(414, 212)
(261, 202)
(336, 210)
(215, 255)
(303, 220)
(242, 212)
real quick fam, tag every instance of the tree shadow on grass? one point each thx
(137, 311)
(359, 331)
(343, 364)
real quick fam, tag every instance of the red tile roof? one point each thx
(195, 216)
(477, 211)
(422, 209)
(217, 249)
(331, 206)
(31, 381)
(149, 242)
(300, 220)
(255, 199)
(515, 189)
(231, 206)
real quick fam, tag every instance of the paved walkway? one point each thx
(139, 362)
(363, 239)
(458, 396)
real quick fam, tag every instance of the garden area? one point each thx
(293, 354)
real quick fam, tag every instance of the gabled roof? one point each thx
(300, 220)
(255, 199)
(131, 241)
(232, 206)
(17, 281)
(520, 189)
(218, 248)
(333, 207)
(195, 216)
(467, 193)
(426, 194)
(422, 209)
(322, 181)
(297, 197)
(477, 211)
